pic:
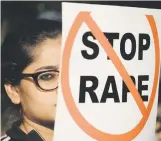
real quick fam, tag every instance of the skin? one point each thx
(39, 107)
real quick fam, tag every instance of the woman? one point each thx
(30, 71)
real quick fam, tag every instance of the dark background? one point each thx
(15, 13)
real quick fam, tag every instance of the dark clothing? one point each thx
(16, 134)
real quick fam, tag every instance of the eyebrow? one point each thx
(47, 68)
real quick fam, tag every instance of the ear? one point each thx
(13, 93)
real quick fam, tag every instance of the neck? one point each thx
(45, 132)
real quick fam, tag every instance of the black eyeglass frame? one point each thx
(35, 76)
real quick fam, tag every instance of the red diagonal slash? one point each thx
(76, 115)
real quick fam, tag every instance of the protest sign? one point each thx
(109, 73)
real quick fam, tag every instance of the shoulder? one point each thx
(11, 134)
(5, 138)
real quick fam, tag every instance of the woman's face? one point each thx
(38, 105)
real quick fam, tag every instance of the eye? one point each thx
(47, 76)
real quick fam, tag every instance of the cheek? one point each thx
(33, 97)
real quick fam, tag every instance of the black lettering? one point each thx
(106, 94)
(111, 37)
(143, 46)
(83, 88)
(142, 87)
(91, 45)
(125, 37)
(125, 89)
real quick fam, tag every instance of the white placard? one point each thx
(109, 73)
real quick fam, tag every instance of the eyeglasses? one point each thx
(45, 80)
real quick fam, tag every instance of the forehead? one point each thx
(46, 54)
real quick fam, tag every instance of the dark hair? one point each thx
(18, 51)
